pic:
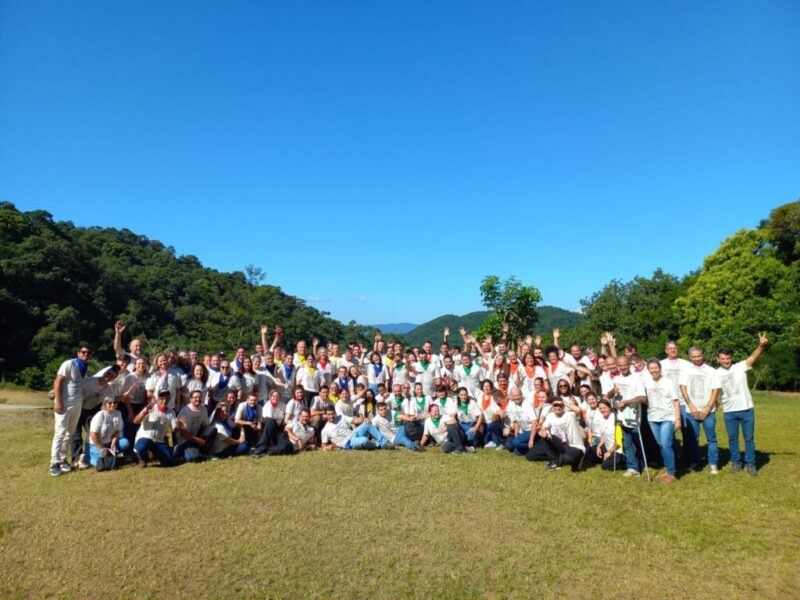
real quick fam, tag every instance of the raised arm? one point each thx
(445, 334)
(264, 330)
(119, 327)
(762, 344)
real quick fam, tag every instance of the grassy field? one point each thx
(397, 524)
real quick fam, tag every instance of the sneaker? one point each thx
(735, 468)
(668, 479)
(500, 447)
(457, 452)
(751, 470)
(631, 473)
(714, 469)
(55, 470)
(65, 468)
(470, 450)
(82, 464)
(552, 466)
(258, 454)
(490, 445)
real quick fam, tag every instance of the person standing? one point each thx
(67, 405)
(663, 415)
(629, 394)
(700, 387)
(737, 405)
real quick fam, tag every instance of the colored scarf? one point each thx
(424, 365)
(83, 366)
(251, 412)
(420, 403)
(464, 407)
(223, 382)
(436, 422)
(287, 370)
(467, 369)
(487, 400)
(377, 369)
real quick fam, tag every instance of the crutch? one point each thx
(644, 455)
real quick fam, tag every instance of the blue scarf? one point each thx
(223, 382)
(288, 371)
(251, 412)
(83, 366)
(377, 369)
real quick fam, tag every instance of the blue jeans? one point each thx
(159, 449)
(747, 420)
(362, 435)
(94, 453)
(632, 447)
(691, 437)
(473, 438)
(401, 439)
(664, 432)
(233, 450)
(519, 445)
(494, 433)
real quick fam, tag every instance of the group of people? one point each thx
(567, 407)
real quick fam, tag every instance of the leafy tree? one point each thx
(783, 230)
(511, 303)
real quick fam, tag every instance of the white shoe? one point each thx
(714, 469)
(500, 447)
(490, 445)
(469, 449)
(631, 473)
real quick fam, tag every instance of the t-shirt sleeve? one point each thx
(741, 367)
(326, 435)
(97, 423)
(63, 370)
(240, 411)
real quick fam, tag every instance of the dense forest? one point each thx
(61, 285)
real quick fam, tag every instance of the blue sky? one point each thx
(380, 158)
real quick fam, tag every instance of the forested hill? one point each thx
(61, 284)
(549, 318)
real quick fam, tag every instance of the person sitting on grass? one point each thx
(272, 427)
(449, 436)
(248, 418)
(467, 416)
(105, 433)
(337, 433)
(392, 430)
(608, 452)
(564, 437)
(494, 416)
(151, 439)
(225, 446)
(522, 416)
(300, 435)
(194, 431)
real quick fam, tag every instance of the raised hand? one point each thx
(462, 331)
(505, 327)
(119, 326)
(537, 341)
(528, 340)
(556, 333)
(278, 330)
(446, 331)
(264, 329)
(315, 342)
(762, 339)
(604, 339)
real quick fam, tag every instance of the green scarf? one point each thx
(420, 403)
(398, 401)
(465, 407)
(424, 365)
(467, 370)
(436, 422)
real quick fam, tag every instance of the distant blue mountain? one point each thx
(400, 328)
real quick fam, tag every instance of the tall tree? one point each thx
(511, 303)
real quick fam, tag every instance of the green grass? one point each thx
(397, 524)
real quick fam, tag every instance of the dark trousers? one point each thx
(539, 450)
(80, 440)
(494, 433)
(208, 436)
(273, 439)
(456, 439)
(558, 450)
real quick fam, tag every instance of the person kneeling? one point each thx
(105, 430)
(151, 438)
(337, 433)
(563, 436)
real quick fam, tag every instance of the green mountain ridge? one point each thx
(550, 317)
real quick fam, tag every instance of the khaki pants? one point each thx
(65, 424)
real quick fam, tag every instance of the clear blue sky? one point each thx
(380, 158)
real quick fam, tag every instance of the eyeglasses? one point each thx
(83, 351)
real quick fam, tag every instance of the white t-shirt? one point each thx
(672, 369)
(594, 421)
(557, 372)
(699, 382)
(382, 376)
(438, 434)
(241, 412)
(303, 432)
(630, 386)
(608, 432)
(735, 390)
(310, 379)
(165, 381)
(193, 385)
(453, 408)
(471, 380)
(565, 428)
(345, 409)
(522, 413)
(106, 425)
(155, 425)
(386, 426)
(293, 408)
(427, 377)
(412, 408)
(93, 392)
(337, 432)
(72, 384)
(277, 412)
(401, 375)
(661, 395)
(196, 420)
(223, 433)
